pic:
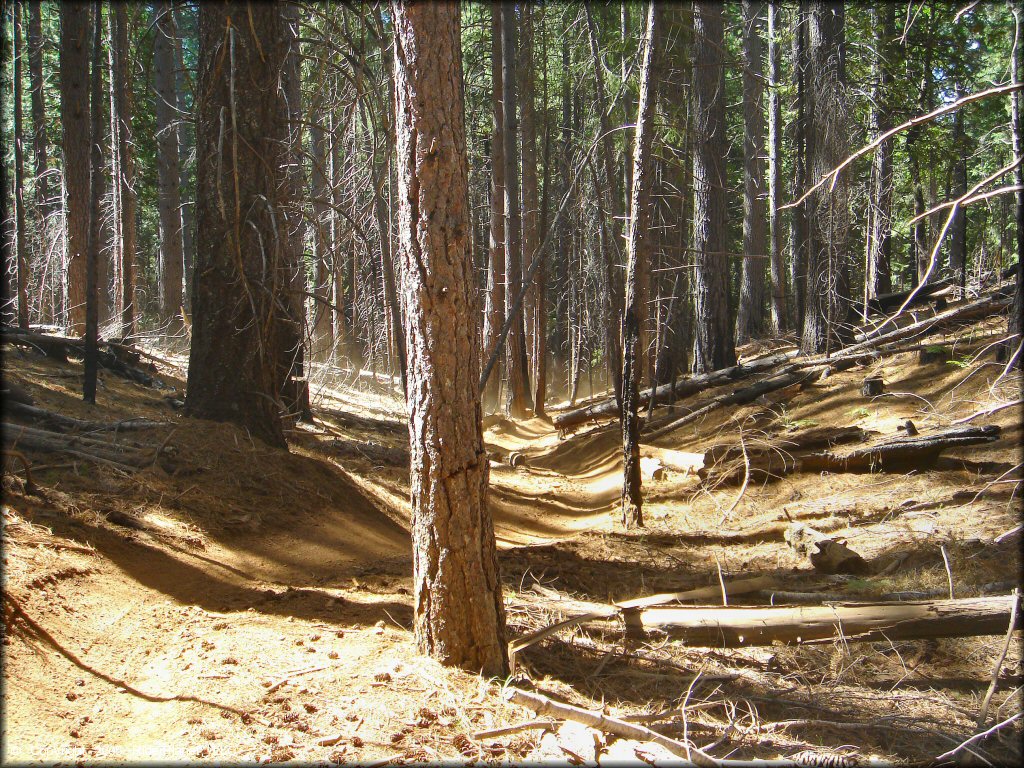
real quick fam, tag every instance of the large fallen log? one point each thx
(740, 627)
(606, 409)
(61, 421)
(917, 451)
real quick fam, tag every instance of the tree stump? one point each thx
(930, 355)
(873, 386)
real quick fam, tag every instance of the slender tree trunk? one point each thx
(1016, 321)
(172, 264)
(827, 303)
(92, 289)
(44, 197)
(713, 348)
(614, 195)
(19, 171)
(126, 167)
(115, 256)
(958, 226)
(320, 191)
(750, 315)
(74, 99)
(459, 616)
(922, 247)
(519, 401)
(778, 276)
(798, 219)
(240, 355)
(878, 274)
(638, 249)
(494, 307)
(186, 146)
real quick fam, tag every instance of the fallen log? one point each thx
(886, 301)
(740, 627)
(608, 408)
(69, 422)
(917, 451)
(103, 451)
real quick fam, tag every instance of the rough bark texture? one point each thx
(519, 404)
(172, 258)
(750, 314)
(92, 281)
(239, 358)
(798, 132)
(778, 297)
(320, 191)
(186, 145)
(827, 305)
(878, 278)
(74, 109)
(713, 345)
(459, 616)
(1016, 322)
(40, 148)
(638, 250)
(958, 226)
(126, 154)
(494, 307)
(19, 172)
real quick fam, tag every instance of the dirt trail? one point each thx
(266, 596)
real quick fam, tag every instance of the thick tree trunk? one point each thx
(519, 401)
(750, 313)
(239, 357)
(172, 264)
(459, 616)
(638, 250)
(126, 167)
(779, 321)
(494, 306)
(21, 232)
(74, 110)
(827, 305)
(878, 272)
(713, 347)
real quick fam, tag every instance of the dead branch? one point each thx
(69, 422)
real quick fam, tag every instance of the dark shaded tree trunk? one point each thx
(713, 346)
(519, 401)
(92, 283)
(878, 272)
(74, 110)
(240, 357)
(779, 321)
(1016, 321)
(44, 197)
(459, 616)
(126, 167)
(172, 258)
(638, 249)
(494, 306)
(20, 228)
(958, 226)
(186, 145)
(798, 131)
(827, 305)
(320, 191)
(750, 313)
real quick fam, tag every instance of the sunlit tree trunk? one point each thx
(779, 321)
(126, 155)
(93, 244)
(457, 603)
(494, 306)
(21, 232)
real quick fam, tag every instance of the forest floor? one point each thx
(236, 603)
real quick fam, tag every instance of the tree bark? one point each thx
(19, 171)
(320, 191)
(1016, 322)
(239, 357)
(186, 146)
(519, 401)
(74, 110)
(494, 307)
(459, 616)
(713, 347)
(779, 321)
(827, 305)
(958, 226)
(126, 167)
(172, 254)
(798, 131)
(638, 250)
(878, 273)
(92, 283)
(750, 319)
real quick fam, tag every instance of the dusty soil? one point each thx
(232, 602)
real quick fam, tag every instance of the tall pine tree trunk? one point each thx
(750, 313)
(638, 250)
(92, 282)
(240, 355)
(878, 273)
(779, 321)
(126, 167)
(172, 259)
(713, 346)
(74, 110)
(458, 613)
(320, 191)
(186, 146)
(798, 130)
(519, 402)
(1016, 321)
(44, 196)
(20, 227)
(494, 306)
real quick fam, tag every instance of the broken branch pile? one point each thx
(125, 455)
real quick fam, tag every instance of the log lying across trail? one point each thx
(789, 364)
(115, 357)
(738, 627)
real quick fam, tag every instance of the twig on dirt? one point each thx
(988, 411)
(529, 725)
(156, 456)
(721, 581)
(949, 571)
(976, 738)
(289, 676)
(743, 490)
(983, 715)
